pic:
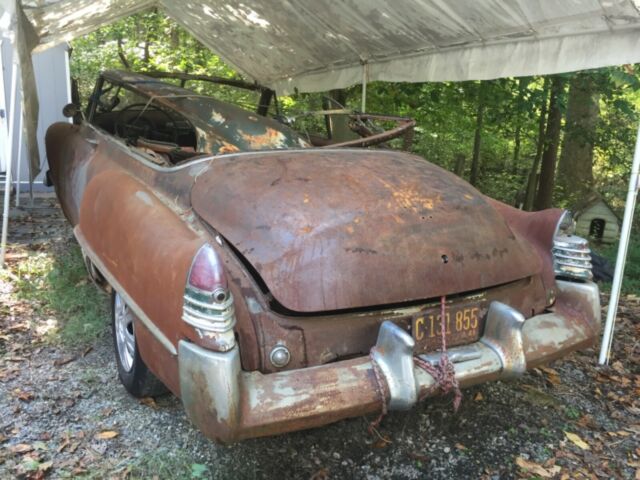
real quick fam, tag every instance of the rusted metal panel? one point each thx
(69, 153)
(331, 230)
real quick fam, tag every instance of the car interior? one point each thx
(168, 138)
(164, 135)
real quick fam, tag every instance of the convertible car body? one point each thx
(274, 285)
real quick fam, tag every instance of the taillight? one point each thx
(208, 303)
(571, 254)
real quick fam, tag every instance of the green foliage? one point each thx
(59, 284)
(176, 464)
(150, 41)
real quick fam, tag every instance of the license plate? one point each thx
(463, 324)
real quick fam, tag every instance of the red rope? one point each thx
(443, 373)
(382, 388)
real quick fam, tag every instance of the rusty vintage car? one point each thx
(275, 281)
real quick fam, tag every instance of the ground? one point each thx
(63, 412)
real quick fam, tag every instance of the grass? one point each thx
(176, 464)
(58, 285)
(631, 281)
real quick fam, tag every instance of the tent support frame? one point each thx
(365, 79)
(7, 181)
(632, 196)
(19, 159)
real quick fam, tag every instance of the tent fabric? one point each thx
(317, 45)
(26, 41)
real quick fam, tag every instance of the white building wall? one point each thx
(51, 69)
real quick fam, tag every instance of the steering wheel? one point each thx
(142, 126)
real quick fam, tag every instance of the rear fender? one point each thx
(70, 151)
(144, 249)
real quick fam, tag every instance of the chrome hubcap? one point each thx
(125, 335)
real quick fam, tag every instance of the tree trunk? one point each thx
(122, 56)
(532, 181)
(518, 120)
(544, 198)
(477, 141)
(575, 169)
(460, 161)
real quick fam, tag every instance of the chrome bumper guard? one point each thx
(228, 404)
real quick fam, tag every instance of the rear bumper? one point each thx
(228, 404)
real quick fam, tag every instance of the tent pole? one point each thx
(365, 76)
(7, 180)
(19, 159)
(632, 195)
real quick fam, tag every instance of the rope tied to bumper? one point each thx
(443, 373)
(383, 392)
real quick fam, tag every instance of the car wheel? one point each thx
(133, 372)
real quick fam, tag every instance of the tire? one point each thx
(132, 371)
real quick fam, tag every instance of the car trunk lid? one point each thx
(342, 229)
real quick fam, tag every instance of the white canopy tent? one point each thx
(317, 45)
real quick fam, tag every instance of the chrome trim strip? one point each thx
(140, 315)
(212, 306)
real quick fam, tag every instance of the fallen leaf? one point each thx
(64, 360)
(149, 402)
(15, 359)
(586, 421)
(479, 397)
(22, 395)
(381, 443)
(577, 441)
(460, 446)
(536, 469)
(20, 448)
(549, 370)
(322, 474)
(86, 351)
(617, 366)
(106, 435)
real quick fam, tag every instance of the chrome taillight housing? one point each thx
(571, 254)
(208, 303)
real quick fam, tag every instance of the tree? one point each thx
(477, 142)
(532, 180)
(518, 120)
(544, 198)
(575, 169)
